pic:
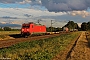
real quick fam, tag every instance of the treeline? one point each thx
(72, 26)
(8, 29)
(85, 26)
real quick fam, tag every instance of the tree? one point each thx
(72, 25)
(1, 29)
(76, 26)
(88, 25)
(84, 26)
(7, 29)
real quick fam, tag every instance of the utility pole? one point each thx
(51, 25)
(39, 21)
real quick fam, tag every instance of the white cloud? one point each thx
(19, 12)
(25, 1)
(3, 22)
(81, 13)
(31, 2)
(21, 18)
(45, 15)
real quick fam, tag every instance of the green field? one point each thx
(9, 32)
(44, 49)
(4, 35)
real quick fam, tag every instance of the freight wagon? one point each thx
(31, 28)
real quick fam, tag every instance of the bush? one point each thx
(7, 29)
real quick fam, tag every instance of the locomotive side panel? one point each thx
(30, 28)
(39, 28)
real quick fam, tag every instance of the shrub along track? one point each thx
(7, 43)
(82, 50)
(77, 50)
(66, 53)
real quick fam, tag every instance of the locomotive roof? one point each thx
(33, 23)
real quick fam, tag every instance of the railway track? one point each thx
(7, 43)
(79, 49)
(72, 48)
(82, 50)
(66, 54)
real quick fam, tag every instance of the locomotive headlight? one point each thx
(27, 29)
(22, 29)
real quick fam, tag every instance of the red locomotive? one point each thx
(30, 28)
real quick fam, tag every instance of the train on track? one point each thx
(31, 28)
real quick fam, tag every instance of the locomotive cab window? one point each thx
(25, 26)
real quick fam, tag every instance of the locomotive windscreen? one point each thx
(25, 26)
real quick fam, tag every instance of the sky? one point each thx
(17, 12)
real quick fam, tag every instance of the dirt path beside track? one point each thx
(76, 50)
(81, 51)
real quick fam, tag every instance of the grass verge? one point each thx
(4, 35)
(44, 49)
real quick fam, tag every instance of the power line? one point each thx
(55, 22)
